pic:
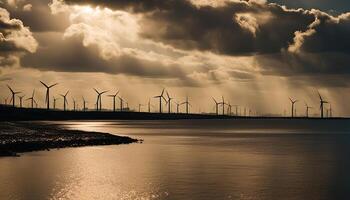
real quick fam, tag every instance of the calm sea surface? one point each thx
(204, 160)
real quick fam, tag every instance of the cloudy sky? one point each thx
(256, 53)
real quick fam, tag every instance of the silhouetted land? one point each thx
(26, 114)
(19, 137)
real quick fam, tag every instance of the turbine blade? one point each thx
(44, 84)
(53, 85)
(10, 88)
(162, 92)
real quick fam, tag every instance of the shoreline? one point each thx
(21, 137)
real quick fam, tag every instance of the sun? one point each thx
(87, 10)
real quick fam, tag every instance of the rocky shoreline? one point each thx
(20, 137)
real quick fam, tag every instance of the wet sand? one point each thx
(20, 137)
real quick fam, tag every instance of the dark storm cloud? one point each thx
(39, 18)
(70, 55)
(187, 26)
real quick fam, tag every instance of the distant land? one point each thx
(8, 113)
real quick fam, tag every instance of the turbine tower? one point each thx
(161, 96)
(307, 109)
(48, 87)
(149, 105)
(293, 103)
(74, 104)
(223, 105)
(114, 97)
(121, 103)
(65, 102)
(21, 100)
(322, 102)
(177, 107)
(84, 104)
(54, 102)
(13, 98)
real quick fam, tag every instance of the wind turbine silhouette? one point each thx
(161, 96)
(84, 104)
(330, 110)
(13, 98)
(177, 107)
(114, 96)
(121, 103)
(187, 103)
(322, 102)
(307, 109)
(169, 102)
(229, 109)
(48, 87)
(21, 100)
(32, 99)
(149, 105)
(99, 99)
(54, 102)
(216, 106)
(293, 103)
(74, 104)
(223, 105)
(140, 106)
(65, 102)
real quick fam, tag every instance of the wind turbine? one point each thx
(149, 105)
(74, 104)
(330, 111)
(223, 105)
(229, 109)
(21, 100)
(322, 102)
(177, 107)
(169, 102)
(65, 100)
(32, 99)
(99, 99)
(307, 109)
(114, 96)
(140, 106)
(161, 96)
(48, 87)
(13, 98)
(293, 103)
(216, 106)
(236, 110)
(54, 102)
(187, 103)
(84, 104)
(121, 103)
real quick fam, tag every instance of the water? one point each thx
(186, 160)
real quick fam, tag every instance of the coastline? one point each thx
(21, 137)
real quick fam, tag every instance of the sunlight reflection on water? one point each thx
(197, 162)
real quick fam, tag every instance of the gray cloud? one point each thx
(73, 56)
(217, 29)
(37, 15)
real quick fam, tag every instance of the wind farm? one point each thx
(169, 107)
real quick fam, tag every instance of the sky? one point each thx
(255, 53)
